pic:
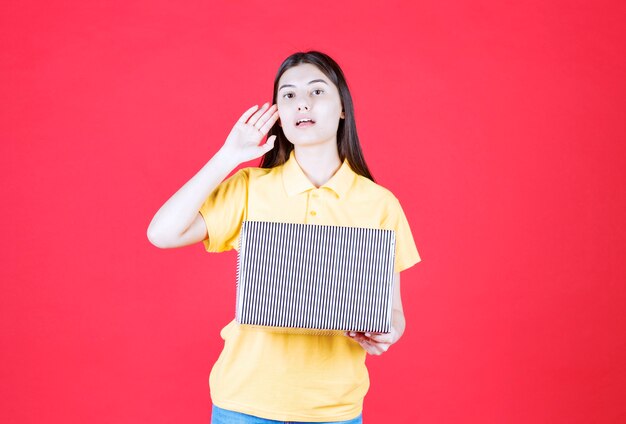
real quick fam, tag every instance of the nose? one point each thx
(302, 106)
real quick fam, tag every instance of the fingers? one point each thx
(269, 144)
(258, 119)
(381, 338)
(263, 119)
(254, 119)
(371, 345)
(269, 123)
(374, 348)
(375, 337)
(246, 118)
(247, 114)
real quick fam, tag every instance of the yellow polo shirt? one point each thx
(296, 377)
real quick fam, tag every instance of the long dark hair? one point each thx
(348, 144)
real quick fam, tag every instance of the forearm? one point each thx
(398, 323)
(177, 214)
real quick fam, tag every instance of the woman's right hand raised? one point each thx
(243, 140)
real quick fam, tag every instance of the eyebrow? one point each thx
(310, 82)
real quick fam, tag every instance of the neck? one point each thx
(318, 162)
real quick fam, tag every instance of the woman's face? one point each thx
(304, 92)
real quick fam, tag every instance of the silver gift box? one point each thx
(315, 279)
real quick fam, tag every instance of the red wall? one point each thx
(498, 125)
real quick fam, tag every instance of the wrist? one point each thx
(227, 157)
(398, 324)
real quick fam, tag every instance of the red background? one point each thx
(500, 127)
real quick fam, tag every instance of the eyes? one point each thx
(290, 95)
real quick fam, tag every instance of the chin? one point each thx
(307, 139)
(310, 142)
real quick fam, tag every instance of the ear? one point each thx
(343, 115)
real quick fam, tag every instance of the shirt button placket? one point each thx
(313, 204)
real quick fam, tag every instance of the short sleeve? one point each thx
(223, 212)
(406, 251)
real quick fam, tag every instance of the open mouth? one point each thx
(304, 122)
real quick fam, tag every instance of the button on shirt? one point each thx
(296, 377)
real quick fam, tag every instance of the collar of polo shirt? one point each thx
(296, 181)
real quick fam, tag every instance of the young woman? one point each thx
(312, 172)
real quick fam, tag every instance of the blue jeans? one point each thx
(225, 416)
